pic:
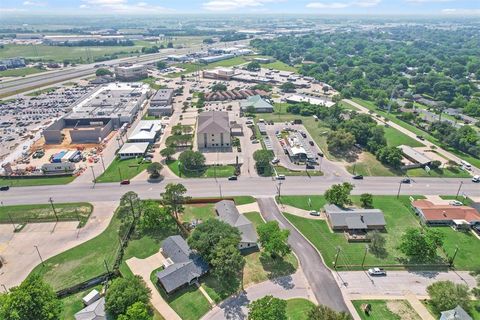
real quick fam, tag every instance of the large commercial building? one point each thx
(130, 72)
(219, 73)
(93, 118)
(161, 103)
(213, 130)
(211, 59)
(257, 103)
(414, 157)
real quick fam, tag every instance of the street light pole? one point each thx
(53, 208)
(103, 163)
(5, 288)
(399, 188)
(93, 174)
(38, 251)
(458, 191)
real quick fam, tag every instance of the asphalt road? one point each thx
(255, 186)
(318, 275)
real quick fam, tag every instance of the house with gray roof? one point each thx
(94, 311)
(213, 130)
(353, 220)
(455, 314)
(182, 267)
(257, 103)
(228, 212)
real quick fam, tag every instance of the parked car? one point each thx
(320, 154)
(275, 160)
(358, 177)
(311, 143)
(314, 213)
(310, 166)
(455, 203)
(4, 188)
(377, 272)
(125, 182)
(233, 178)
(476, 179)
(406, 180)
(280, 177)
(420, 137)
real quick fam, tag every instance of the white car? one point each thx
(314, 213)
(275, 160)
(377, 272)
(455, 203)
(476, 179)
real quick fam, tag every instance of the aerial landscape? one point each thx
(240, 159)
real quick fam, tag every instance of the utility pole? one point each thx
(5, 288)
(9, 216)
(458, 191)
(53, 208)
(364, 255)
(454, 256)
(93, 174)
(336, 258)
(279, 189)
(120, 173)
(220, 190)
(43, 263)
(103, 163)
(399, 188)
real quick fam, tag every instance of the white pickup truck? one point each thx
(377, 272)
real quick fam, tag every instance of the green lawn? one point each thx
(44, 212)
(440, 172)
(120, 170)
(189, 302)
(278, 65)
(370, 105)
(198, 211)
(288, 172)
(151, 81)
(387, 310)
(82, 262)
(42, 181)
(20, 72)
(255, 217)
(209, 172)
(467, 256)
(297, 309)
(396, 138)
(239, 200)
(192, 67)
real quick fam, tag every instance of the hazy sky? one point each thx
(457, 7)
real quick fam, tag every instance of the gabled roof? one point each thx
(257, 102)
(354, 218)
(227, 212)
(446, 212)
(213, 122)
(95, 311)
(455, 314)
(134, 147)
(187, 264)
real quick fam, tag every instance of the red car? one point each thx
(125, 182)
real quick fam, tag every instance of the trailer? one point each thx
(57, 158)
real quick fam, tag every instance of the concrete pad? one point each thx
(437, 200)
(250, 207)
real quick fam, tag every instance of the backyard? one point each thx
(386, 310)
(120, 170)
(398, 217)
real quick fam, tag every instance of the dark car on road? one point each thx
(4, 188)
(233, 178)
(406, 180)
(125, 182)
(358, 177)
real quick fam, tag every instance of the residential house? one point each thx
(94, 311)
(455, 314)
(446, 215)
(228, 212)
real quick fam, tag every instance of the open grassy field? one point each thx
(387, 310)
(209, 172)
(60, 53)
(239, 200)
(297, 309)
(370, 105)
(278, 65)
(189, 302)
(20, 72)
(43, 181)
(41, 91)
(44, 212)
(151, 81)
(396, 138)
(120, 170)
(199, 211)
(288, 172)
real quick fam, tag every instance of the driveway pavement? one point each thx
(235, 308)
(318, 275)
(19, 254)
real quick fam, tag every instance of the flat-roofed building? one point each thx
(161, 103)
(354, 219)
(131, 72)
(257, 103)
(146, 131)
(297, 98)
(211, 59)
(213, 130)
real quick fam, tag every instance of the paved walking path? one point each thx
(300, 212)
(205, 294)
(143, 268)
(419, 307)
(235, 307)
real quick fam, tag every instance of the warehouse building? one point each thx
(131, 72)
(211, 59)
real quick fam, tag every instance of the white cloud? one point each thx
(34, 3)
(342, 5)
(458, 11)
(12, 10)
(123, 6)
(228, 5)
(428, 1)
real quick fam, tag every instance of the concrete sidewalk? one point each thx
(300, 212)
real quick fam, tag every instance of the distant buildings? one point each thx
(257, 103)
(446, 215)
(234, 94)
(219, 73)
(213, 130)
(161, 103)
(11, 63)
(228, 212)
(182, 266)
(298, 98)
(211, 59)
(131, 72)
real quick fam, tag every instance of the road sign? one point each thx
(427, 168)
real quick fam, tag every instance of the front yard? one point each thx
(120, 170)
(387, 310)
(208, 172)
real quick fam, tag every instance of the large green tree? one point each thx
(421, 245)
(168, 152)
(446, 295)
(287, 87)
(154, 217)
(366, 199)
(154, 169)
(192, 160)
(323, 312)
(391, 156)
(124, 292)
(268, 308)
(33, 299)
(137, 311)
(273, 239)
(174, 198)
(253, 66)
(339, 194)
(262, 162)
(340, 141)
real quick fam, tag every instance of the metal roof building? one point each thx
(414, 155)
(354, 219)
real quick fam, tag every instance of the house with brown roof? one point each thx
(449, 215)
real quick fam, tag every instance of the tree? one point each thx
(174, 198)
(287, 87)
(154, 169)
(262, 162)
(168, 152)
(226, 260)
(391, 156)
(323, 312)
(340, 141)
(366, 199)
(103, 72)
(123, 293)
(219, 87)
(339, 194)
(446, 295)
(130, 205)
(273, 239)
(153, 216)
(420, 246)
(192, 160)
(161, 65)
(33, 299)
(268, 308)
(253, 66)
(137, 311)
(377, 244)
(170, 45)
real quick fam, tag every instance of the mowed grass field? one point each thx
(20, 72)
(120, 170)
(297, 309)
(387, 310)
(208, 172)
(30, 182)
(398, 216)
(396, 138)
